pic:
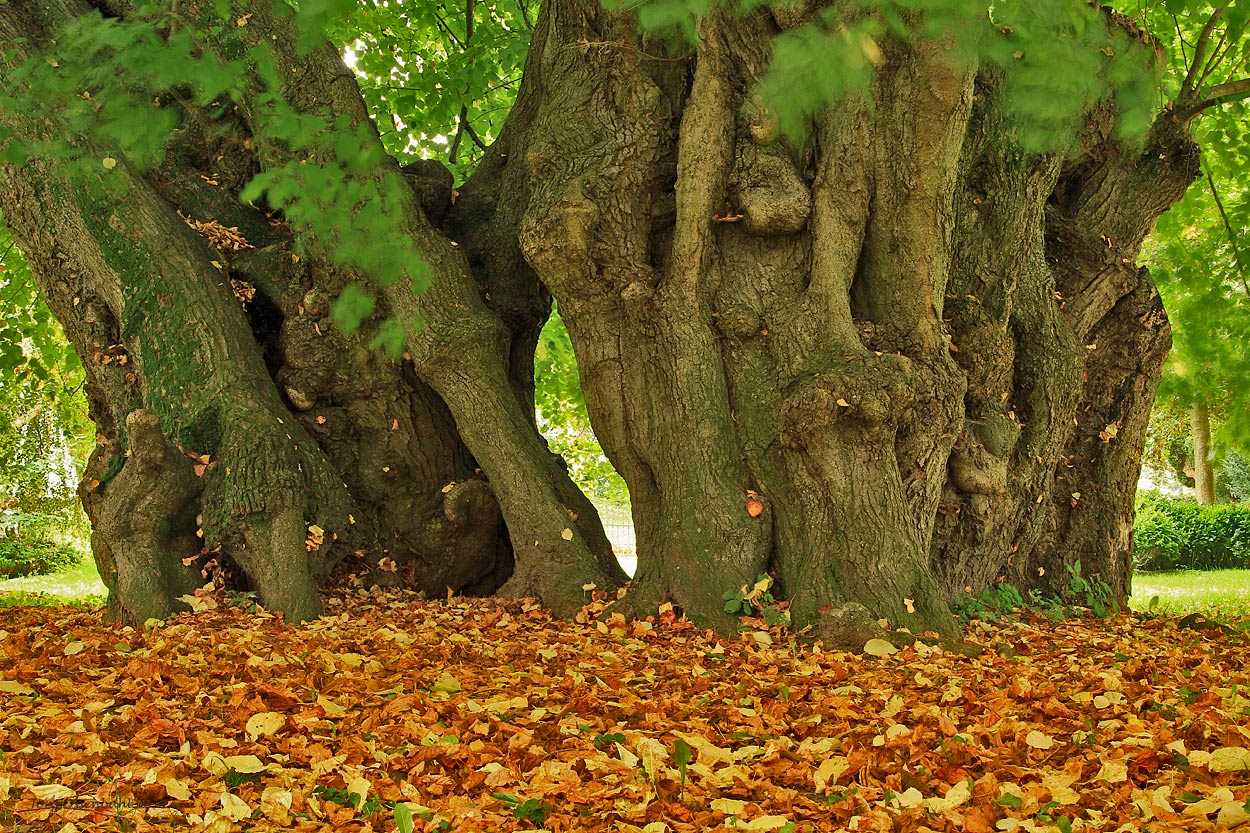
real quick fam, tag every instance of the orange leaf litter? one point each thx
(483, 715)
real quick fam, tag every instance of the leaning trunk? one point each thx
(242, 435)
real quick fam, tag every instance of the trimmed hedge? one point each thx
(33, 557)
(1173, 534)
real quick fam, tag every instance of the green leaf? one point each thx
(352, 307)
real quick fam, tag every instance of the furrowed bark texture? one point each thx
(879, 367)
(900, 363)
(309, 447)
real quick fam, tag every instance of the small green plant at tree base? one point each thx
(991, 605)
(534, 810)
(683, 755)
(757, 600)
(1005, 600)
(1094, 592)
(244, 600)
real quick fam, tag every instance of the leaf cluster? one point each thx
(439, 79)
(1059, 59)
(131, 83)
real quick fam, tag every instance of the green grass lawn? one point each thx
(80, 584)
(1218, 593)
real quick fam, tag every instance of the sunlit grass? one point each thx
(81, 583)
(1217, 593)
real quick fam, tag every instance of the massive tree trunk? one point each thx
(879, 367)
(308, 447)
(896, 341)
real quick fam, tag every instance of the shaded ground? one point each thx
(484, 716)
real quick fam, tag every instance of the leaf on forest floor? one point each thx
(222, 719)
(879, 648)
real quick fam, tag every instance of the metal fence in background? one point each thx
(618, 523)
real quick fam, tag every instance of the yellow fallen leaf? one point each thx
(628, 758)
(567, 534)
(275, 803)
(956, 796)
(763, 823)
(1112, 772)
(879, 648)
(1059, 784)
(829, 771)
(74, 648)
(909, 798)
(446, 683)
(199, 604)
(245, 763)
(360, 786)
(14, 687)
(234, 808)
(1039, 740)
(52, 792)
(264, 723)
(729, 806)
(109, 163)
(652, 753)
(1229, 759)
(175, 789)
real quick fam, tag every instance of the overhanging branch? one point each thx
(1219, 94)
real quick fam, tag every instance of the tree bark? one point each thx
(899, 363)
(1204, 473)
(309, 447)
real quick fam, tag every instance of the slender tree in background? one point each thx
(853, 290)
(1199, 257)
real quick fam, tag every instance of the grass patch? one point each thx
(1216, 593)
(80, 585)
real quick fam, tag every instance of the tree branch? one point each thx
(1229, 41)
(1238, 255)
(463, 121)
(1220, 94)
(1189, 89)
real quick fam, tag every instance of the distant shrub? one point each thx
(34, 557)
(1175, 534)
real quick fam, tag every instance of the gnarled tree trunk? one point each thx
(900, 363)
(308, 447)
(896, 341)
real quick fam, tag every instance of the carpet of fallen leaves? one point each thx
(398, 714)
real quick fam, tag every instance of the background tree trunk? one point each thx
(1204, 472)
